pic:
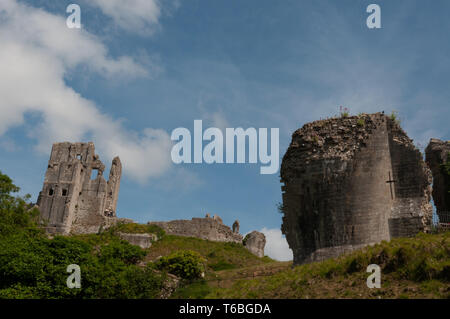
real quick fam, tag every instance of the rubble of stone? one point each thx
(73, 199)
(437, 154)
(351, 182)
(255, 243)
(142, 240)
(205, 228)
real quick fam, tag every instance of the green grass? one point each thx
(193, 290)
(219, 255)
(411, 267)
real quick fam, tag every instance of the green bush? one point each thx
(123, 251)
(33, 266)
(186, 264)
(394, 117)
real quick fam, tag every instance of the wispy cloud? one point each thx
(139, 16)
(276, 245)
(38, 51)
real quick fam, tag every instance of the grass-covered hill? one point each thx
(416, 267)
(33, 265)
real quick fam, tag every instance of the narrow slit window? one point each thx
(64, 192)
(50, 192)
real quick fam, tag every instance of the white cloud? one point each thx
(37, 52)
(276, 245)
(140, 16)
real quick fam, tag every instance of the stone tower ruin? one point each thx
(437, 155)
(350, 182)
(74, 199)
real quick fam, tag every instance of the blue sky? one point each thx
(139, 69)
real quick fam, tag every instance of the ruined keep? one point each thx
(73, 199)
(438, 159)
(350, 182)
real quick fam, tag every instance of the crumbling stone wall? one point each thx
(142, 240)
(205, 228)
(351, 182)
(437, 154)
(71, 201)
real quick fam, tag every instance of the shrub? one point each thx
(34, 266)
(344, 111)
(394, 117)
(123, 251)
(186, 264)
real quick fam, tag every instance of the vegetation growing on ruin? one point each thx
(344, 112)
(394, 117)
(360, 122)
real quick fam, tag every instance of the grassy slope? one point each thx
(219, 255)
(411, 268)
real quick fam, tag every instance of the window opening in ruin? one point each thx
(50, 192)
(79, 157)
(64, 192)
(93, 172)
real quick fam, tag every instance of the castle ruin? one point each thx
(74, 199)
(351, 182)
(209, 228)
(437, 155)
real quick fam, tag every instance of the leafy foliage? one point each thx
(186, 264)
(34, 266)
(361, 122)
(394, 117)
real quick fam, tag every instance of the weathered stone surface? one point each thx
(141, 240)
(73, 202)
(205, 228)
(236, 226)
(171, 284)
(218, 219)
(337, 196)
(437, 153)
(255, 243)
